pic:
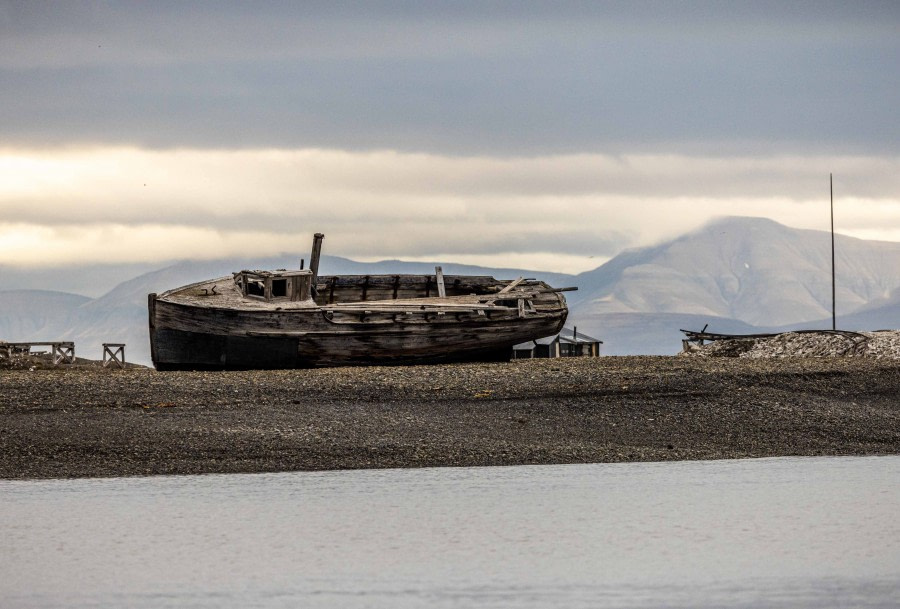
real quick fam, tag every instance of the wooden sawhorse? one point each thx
(114, 353)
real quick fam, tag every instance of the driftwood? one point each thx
(695, 338)
(702, 335)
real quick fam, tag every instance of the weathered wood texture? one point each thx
(439, 279)
(114, 354)
(354, 320)
(315, 254)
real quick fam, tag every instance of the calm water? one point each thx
(822, 532)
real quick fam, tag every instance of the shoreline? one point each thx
(101, 422)
(429, 467)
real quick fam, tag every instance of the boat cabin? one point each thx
(272, 286)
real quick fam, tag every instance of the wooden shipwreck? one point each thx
(298, 319)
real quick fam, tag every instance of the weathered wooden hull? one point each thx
(184, 336)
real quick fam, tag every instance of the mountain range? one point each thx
(738, 275)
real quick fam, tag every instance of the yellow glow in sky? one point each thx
(564, 213)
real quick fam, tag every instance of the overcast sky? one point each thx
(549, 134)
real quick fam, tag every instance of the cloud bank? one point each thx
(547, 135)
(560, 212)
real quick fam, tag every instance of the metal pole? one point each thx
(833, 299)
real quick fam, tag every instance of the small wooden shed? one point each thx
(568, 343)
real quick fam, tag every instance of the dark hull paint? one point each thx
(193, 351)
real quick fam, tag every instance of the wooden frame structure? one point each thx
(114, 353)
(62, 352)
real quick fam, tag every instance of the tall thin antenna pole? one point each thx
(833, 300)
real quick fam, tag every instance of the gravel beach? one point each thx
(62, 423)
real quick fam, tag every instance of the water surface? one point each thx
(788, 532)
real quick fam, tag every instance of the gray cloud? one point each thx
(498, 78)
(516, 133)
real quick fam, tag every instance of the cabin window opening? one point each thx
(256, 288)
(569, 350)
(279, 288)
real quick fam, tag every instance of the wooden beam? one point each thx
(63, 352)
(314, 256)
(114, 353)
(413, 305)
(439, 278)
(511, 286)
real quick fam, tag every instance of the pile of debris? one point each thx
(882, 344)
(13, 358)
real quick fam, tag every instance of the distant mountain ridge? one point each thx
(37, 314)
(751, 269)
(91, 280)
(738, 275)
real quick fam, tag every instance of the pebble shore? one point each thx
(881, 344)
(63, 423)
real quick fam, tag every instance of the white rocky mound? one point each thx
(883, 344)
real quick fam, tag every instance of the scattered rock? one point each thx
(70, 422)
(883, 344)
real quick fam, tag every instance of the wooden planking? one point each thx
(348, 288)
(223, 293)
(319, 344)
(225, 321)
(279, 350)
(394, 324)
